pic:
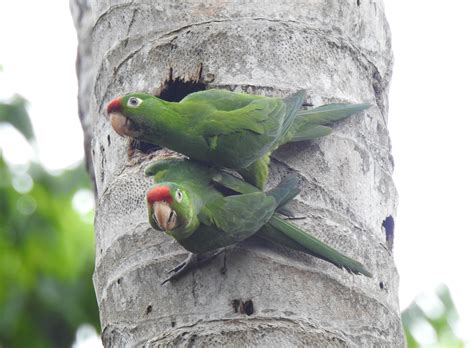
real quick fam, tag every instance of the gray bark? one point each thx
(339, 51)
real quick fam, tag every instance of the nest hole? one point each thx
(173, 90)
(142, 146)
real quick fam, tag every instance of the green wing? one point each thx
(237, 111)
(275, 112)
(249, 118)
(238, 216)
(228, 112)
(226, 221)
(221, 99)
(285, 233)
(283, 193)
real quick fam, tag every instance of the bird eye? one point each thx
(179, 196)
(134, 102)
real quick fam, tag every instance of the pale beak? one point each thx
(119, 123)
(164, 216)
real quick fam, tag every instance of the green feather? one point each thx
(230, 210)
(239, 215)
(283, 232)
(309, 123)
(257, 173)
(233, 183)
(311, 132)
(229, 130)
(328, 113)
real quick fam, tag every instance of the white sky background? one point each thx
(432, 130)
(430, 123)
(38, 54)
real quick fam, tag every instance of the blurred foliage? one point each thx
(14, 113)
(46, 250)
(432, 320)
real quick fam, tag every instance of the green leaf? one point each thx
(15, 113)
(442, 320)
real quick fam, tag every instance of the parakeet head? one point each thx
(129, 114)
(170, 210)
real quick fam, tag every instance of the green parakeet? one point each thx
(205, 209)
(232, 130)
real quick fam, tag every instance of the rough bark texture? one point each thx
(257, 294)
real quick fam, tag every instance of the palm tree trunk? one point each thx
(256, 295)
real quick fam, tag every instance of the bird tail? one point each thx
(311, 124)
(285, 191)
(282, 232)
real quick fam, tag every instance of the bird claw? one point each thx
(179, 266)
(299, 217)
(289, 214)
(192, 261)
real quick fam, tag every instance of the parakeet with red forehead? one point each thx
(232, 130)
(205, 209)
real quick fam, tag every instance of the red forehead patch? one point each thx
(115, 105)
(159, 194)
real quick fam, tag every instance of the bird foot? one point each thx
(298, 217)
(192, 261)
(289, 214)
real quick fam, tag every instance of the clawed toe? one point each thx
(191, 262)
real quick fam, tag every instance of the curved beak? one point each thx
(164, 216)
(119, 123)
(117, 120)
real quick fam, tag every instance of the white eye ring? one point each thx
(134, 102)
(179, 196)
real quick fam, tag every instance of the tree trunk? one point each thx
(257, 295)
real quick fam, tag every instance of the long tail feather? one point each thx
(285, 233)
(310, 124)
(325, 114)
(311, 132)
